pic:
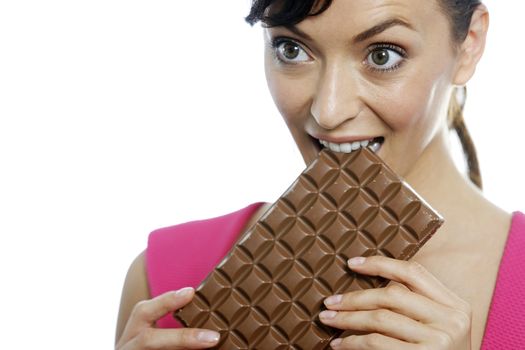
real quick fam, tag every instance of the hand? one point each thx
(140, 332)
(418, 312)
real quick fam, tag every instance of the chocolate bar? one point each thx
(268, 291)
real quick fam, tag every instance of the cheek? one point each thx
(290, 94)
(409, 104)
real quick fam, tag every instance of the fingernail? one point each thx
(333, 300)
(356, 261)
(328, 314)
(336, 342)
(208, 336)
(184, 291)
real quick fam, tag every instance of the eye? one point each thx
(385, 57)
(288, 51)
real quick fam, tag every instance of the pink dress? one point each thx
(183, 255)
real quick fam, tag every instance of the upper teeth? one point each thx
(348, 147)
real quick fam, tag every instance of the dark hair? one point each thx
(459, 13)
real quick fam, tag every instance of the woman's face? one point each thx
(364, 69)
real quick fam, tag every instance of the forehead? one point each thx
(345, 15)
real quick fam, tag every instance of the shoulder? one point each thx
(200, 227)
(181, 255)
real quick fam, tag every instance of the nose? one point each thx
(337, 98)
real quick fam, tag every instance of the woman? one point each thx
(343, 71)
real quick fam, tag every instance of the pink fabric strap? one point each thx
(183, 255)
(505, 327)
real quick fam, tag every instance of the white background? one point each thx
(111, 112)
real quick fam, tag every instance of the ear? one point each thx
(473, 46)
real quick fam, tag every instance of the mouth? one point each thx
(373, 144)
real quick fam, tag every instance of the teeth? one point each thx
(375, 147)
(348, 147)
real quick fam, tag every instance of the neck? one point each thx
(445, 188)
(469, 216)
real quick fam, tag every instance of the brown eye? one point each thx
(288, 51)
(380, 57)
(383, 58)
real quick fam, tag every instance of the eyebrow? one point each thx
(375, 30)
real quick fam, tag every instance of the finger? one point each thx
(381, 321)
(146, 312)
(393, 297)
(173, 339)
(371, 341)
(410, 273)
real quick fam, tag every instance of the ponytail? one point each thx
(456, 122)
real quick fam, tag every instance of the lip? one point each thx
(343, 139)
